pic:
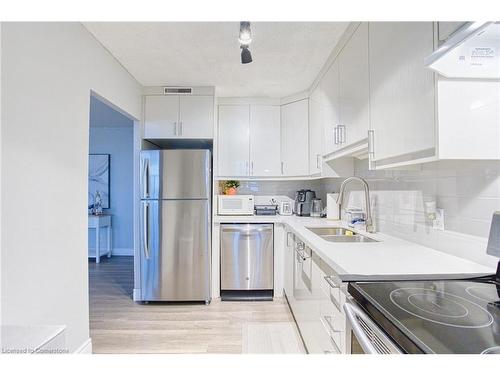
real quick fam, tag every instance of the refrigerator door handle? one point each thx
(146, 178)
(145, 229)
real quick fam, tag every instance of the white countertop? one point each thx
(249, 219)
(390, 258)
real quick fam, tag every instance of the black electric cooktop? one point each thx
(435, 316)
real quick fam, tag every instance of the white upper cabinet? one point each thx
(173, 116)
(316, 137)
(161, 116)
(295, 138)
(265, 150)
(196, 117)
(354, 89)
(469, 119)
(249, 141)
(233, 140)
(402, 92)
(377, 97)
(329, 87)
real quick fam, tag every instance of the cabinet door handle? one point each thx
(251, 168)
(342, 134)
(371, 139)
(331, 282)
(180, 128)
(336, 135)
(318, 163)
(175, 127)
(334, 286)
(282, 168)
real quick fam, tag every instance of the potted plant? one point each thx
(229, 187)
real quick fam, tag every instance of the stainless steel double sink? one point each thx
(337, 234)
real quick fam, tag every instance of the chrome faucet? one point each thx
(369, 222)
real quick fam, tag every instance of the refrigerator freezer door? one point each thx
(150, 174)
(176, 266)
(185, 174)
(246, 256)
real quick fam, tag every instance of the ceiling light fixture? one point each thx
(245, 33)
(246, 56)
(245, 39)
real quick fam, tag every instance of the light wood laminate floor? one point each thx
(120, 325)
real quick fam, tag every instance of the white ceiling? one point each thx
(287, 56)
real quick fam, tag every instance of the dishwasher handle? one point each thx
(245, 229)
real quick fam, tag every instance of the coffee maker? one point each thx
(303, 202)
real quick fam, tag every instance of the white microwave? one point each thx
(235, 205)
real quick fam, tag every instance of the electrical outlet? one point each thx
(438, 222)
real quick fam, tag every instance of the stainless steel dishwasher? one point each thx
(246, 252)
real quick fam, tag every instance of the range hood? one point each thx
(471, 52)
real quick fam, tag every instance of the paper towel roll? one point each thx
(332, 208)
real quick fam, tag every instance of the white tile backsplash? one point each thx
(468, 191)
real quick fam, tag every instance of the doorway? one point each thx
(111, 202)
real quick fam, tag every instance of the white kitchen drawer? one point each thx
(334, 323)
(333, 288)
(318, 339)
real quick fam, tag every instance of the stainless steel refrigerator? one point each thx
(175, 225)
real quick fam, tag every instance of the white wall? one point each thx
(48, 70)
(0, 172)
(468, 191)
(118, 142)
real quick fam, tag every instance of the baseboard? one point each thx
(123, 251)
(119, 251)
(85, 348)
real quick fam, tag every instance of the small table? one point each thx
(97, 222)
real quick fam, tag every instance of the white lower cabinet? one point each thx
(302, 288)
(288, 271)
(331, 314)
(316, 302)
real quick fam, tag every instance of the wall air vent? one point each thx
(177, 90)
